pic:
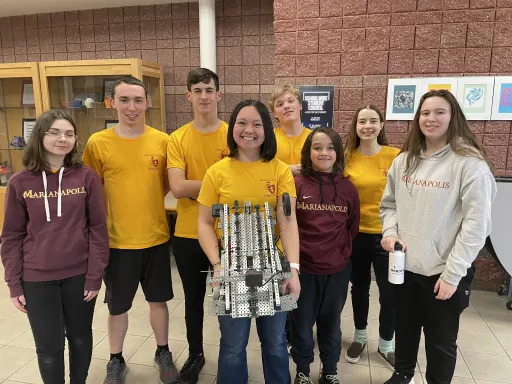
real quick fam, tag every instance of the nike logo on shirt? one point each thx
(306, 197)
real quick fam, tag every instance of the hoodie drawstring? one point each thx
(59, 196)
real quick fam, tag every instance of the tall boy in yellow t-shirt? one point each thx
(130, 159)
(286, 106)
(191, 150)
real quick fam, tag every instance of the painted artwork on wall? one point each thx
(432, 83)
(502, 101)
(403, 98)
(474, 95)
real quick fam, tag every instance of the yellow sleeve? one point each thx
(175, 157)
(92, 159)
(286, 182)
(209, 193)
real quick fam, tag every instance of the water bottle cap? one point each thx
(398, 246)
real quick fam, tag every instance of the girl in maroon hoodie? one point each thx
(55, 246)
(328, 219)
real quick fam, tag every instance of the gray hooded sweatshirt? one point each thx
(442, 211)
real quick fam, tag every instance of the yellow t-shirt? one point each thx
(258, 182)
(194, 152)
(289, 147)
(132, 171)
(369, 175)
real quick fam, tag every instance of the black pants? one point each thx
(57, 309)
(417, 307)
(192, 264)
(321, 300)
(366, 250)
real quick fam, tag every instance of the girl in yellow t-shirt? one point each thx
(251, 173)
(368, 159)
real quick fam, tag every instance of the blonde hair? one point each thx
(279, 90)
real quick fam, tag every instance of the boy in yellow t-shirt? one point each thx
(191, 150)
(286, 106)
(130, 159)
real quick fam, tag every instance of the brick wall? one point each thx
(358, 45)
(167, 34)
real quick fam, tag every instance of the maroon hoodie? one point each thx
(328, 220)
(39, 243)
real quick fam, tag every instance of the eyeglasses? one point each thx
(56, 134)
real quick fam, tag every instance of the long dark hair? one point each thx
(305, 160)
(34, 157)
(459, 135)
(269, 146)
(353, 140)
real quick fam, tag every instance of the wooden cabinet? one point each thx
(20, 104)
(83, 88)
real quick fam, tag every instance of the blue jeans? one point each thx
(232, 367)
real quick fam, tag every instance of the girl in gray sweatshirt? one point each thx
(437, 204)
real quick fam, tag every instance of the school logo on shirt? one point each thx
(29, 194)
(271, 188)
(426, 183)
(153, 162)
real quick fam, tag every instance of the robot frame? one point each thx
(251, 267)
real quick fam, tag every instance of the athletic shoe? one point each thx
(302, 379)
(329, 379)
(168, 372)
(397, 378)
(189, 373)
(354, 352)
(388, 357)
(116, 371)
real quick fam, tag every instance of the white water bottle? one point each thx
(396, 265)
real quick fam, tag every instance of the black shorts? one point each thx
(127, 267)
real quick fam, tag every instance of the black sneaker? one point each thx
(354, 352)
(398, 378)
(189, 373)
(302, 379)
(168, 372)
(116, 371)
(329, 379)
(388, 357)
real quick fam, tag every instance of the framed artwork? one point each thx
(474, 95)
(27, 128)
(111, 123)
(432, 83)
(502, 99)
(403, 98)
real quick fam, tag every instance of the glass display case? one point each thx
(20, 104)
(84, 89)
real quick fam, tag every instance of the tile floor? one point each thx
(485, 344)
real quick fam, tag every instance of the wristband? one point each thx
(295, 266)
